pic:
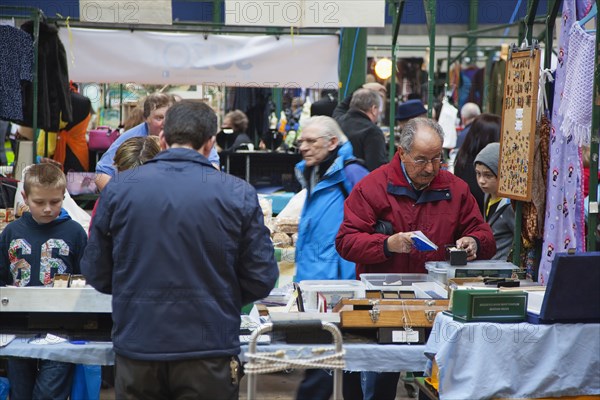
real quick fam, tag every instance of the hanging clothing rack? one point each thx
(36, 15)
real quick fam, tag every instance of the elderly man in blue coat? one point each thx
(328, 172)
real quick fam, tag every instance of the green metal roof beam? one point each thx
(206, 28)
(29, 10)
(400, 47)
(537, 20)
(494, 37)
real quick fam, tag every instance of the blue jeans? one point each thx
(33, 379)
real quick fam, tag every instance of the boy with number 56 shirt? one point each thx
(45, 241)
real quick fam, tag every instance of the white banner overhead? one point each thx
(124, 56)
(126, 11)
(306, 13)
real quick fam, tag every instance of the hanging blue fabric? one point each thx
(593, 12)
(513, 17)
(564, 216)
(4, 388)
(86, 382)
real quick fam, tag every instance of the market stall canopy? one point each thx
(148, 57)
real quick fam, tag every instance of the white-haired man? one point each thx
(468, 112)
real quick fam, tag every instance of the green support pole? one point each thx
(353, 60)
(397, 16)
(449, 63)
(532, 6)
(278, 100)
(486, 79)
(121, 119)
(277, 94)
(473, 14)
(517, 235)
(392, 125)
(553, 6)
(521, 34)
(525, 32)
(217, 17)
(430, 15)
(34, 121)
(595, 139)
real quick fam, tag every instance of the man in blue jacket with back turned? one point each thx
(182, 247)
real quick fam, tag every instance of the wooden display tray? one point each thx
(369, 313)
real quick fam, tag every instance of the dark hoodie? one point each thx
(54, 102)
(31, 253)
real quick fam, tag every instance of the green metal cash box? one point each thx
(489, 306)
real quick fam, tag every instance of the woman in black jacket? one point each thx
(484, 130)
(233, 132)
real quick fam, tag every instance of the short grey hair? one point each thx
(407, 135)
(327, 126)
(470, 111)
(364, 99)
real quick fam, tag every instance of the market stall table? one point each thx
(515, 360)
(91, 353)
(359, 357)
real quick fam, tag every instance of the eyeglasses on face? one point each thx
(421, 162)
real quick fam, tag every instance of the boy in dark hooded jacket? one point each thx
(45, 241)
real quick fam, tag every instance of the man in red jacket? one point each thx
(410, 194)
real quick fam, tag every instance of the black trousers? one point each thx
(318, 385)
(197, 379)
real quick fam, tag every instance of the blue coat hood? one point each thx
(322, 214)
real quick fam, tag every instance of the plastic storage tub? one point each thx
(430, 290)
(333, 291)
(441, 271)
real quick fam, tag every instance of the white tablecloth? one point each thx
(515, 360)
(359, 357)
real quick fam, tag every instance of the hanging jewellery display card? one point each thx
(515, 168)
